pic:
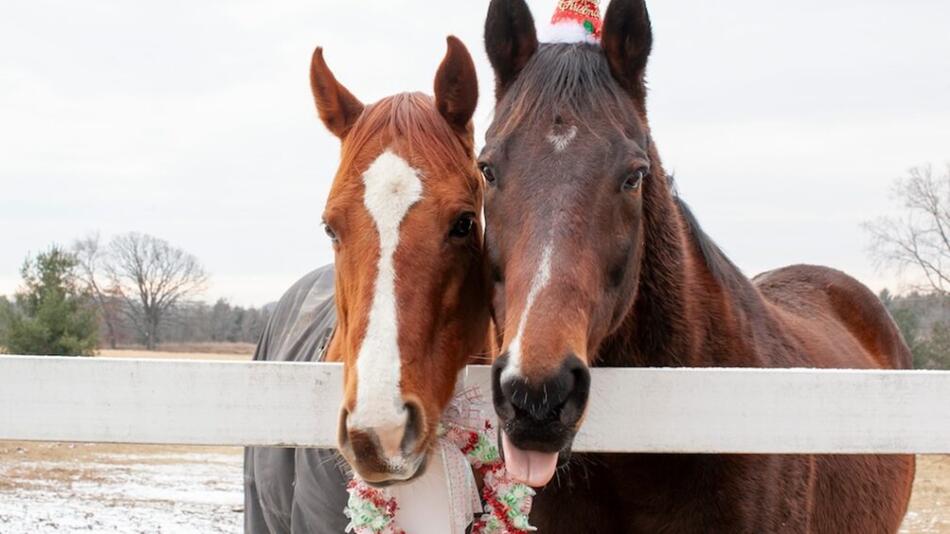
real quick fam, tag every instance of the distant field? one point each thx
(211, 347)
(189, 351)
(166, 355)
(184, 351)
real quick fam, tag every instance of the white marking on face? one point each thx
(391, 189)
(563, 139)
(540, 280)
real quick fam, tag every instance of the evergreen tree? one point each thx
(6, 314)
(52, 316)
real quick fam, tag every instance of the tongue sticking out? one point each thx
(529, 467)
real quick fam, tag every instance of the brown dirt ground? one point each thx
(68, 459)
(930, 503)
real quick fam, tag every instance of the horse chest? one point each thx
(632, 494)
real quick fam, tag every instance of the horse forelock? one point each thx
(571, 82)
(410, 125)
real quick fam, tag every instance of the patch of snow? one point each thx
(203, 494)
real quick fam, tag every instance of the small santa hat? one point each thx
(575, 21)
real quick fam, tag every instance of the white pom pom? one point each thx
(566, 32)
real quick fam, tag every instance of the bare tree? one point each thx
(152, 276)
(919, 239)
(92, 272)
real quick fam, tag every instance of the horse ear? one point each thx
(456, 87)
(627, 40)
(337, 107)
(510, 40)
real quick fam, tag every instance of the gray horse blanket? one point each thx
(288, 490)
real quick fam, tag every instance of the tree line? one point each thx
(924, 321)
(917, 242)
(135, 289)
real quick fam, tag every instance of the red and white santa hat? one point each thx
(574, 21)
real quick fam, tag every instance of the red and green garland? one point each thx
(506, 503)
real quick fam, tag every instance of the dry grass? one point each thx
(163, 355)
(183, 351)
(930, 504)
(34, 451)
(190, 351)
(27, 464)
(192, 348)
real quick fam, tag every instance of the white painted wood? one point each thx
(632, 410)
(768, 411)
(162, 401)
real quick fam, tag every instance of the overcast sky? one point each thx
(785, 123)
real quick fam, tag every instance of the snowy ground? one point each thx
(89, 488)
(57, 488)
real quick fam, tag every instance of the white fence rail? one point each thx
(631, 410)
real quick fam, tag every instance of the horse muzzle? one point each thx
(539, 418)
(385, 455)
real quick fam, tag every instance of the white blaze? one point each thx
(391, 188)
(540, 280)
(563, 139)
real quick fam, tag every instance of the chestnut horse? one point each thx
(596, 261)
(410, 292)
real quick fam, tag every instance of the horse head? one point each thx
(570, 168)
(410, 284)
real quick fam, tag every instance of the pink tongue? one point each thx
(529, 467)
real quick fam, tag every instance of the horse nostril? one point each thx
(343, 432)
(414, 427)
(500, 396)
(576, 401)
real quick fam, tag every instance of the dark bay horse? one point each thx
(596, 261)
(405, 306)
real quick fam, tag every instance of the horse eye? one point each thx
(487, 172)
(329, 231)
(634, 179)
(462, 226)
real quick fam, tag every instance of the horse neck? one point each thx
(685, 312)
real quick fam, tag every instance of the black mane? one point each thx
(719, 265)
